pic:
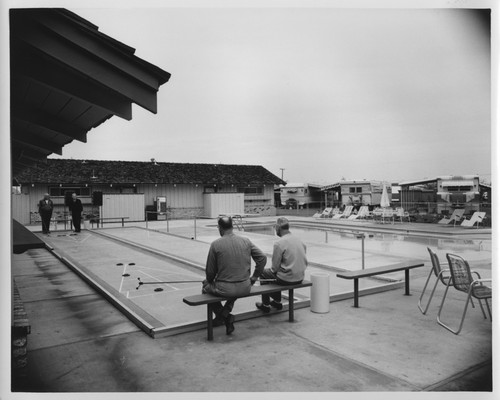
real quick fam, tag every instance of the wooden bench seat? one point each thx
(209, 299)
(364, 273)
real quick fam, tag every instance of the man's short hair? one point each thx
(225, 222)
(283, 223)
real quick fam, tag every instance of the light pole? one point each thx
(282, 169)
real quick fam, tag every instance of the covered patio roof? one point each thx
(67, 78)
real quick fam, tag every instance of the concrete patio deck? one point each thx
(79, 342)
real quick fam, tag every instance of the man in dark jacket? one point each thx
(45, 208)
(76, 209)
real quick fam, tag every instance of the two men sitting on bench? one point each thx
(289, 262)
(228, 270)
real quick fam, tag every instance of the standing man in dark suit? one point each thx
(76, 209)
(45, 208)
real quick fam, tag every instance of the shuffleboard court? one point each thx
(116, 262)
(119, 268)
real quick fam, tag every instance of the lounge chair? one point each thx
(325, 214)
(363, 212)
(440, 276)
(456, 216)
(476, 218)
(461, 279)
(345, 214)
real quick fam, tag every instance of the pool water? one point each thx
(395, 244)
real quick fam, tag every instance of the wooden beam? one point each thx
(26, 64)
(106, 74)
(49, 122)
(31, 140)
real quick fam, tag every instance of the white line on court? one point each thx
(85, 238)
(121, 282)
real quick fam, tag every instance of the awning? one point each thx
(457, 183)
(332, 186)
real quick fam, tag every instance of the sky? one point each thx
(313, 94)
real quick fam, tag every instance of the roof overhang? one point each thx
(66, 78)
(332, 186)
(418, 182)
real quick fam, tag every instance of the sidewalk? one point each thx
(79, 342)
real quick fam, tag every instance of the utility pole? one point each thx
(282, 169)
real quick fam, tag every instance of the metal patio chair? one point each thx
(401, 214)
(461, 279)
(439, 273)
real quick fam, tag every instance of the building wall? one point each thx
(183, 200)
(35, 194)
(123, 205)
(261, 204)
(223, 203)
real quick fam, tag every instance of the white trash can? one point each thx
(86, 224)
(320, 293)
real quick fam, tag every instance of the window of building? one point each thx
(128, 189)
(359, 189)
(251, 190)
(210, 189)
(59, 191)
(459, 188)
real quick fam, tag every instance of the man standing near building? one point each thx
(228, 270)
(76, 208)
(289, 262)
(45, 208)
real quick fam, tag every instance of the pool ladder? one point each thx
(238, 222)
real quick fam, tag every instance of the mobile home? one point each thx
(300, 195)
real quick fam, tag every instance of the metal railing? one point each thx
(193, 217)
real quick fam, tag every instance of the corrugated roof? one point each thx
(95, 171)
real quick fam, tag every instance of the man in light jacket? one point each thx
(289, 262)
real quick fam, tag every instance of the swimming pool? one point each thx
(404, 245)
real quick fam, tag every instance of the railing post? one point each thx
(363, 251)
